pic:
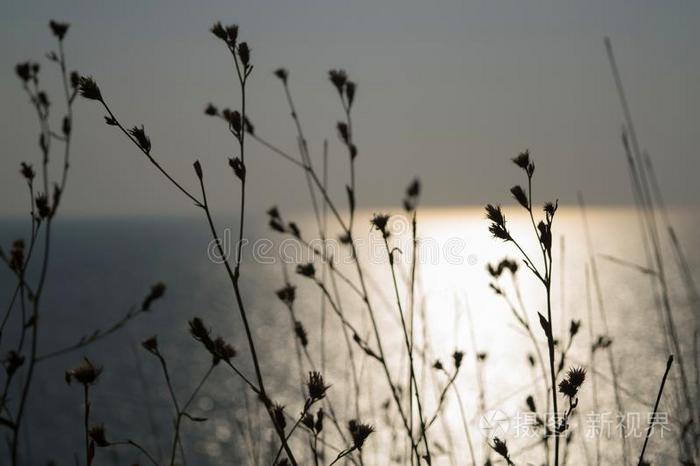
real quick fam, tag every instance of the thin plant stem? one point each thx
(669, 363)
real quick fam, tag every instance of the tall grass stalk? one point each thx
(649, 209)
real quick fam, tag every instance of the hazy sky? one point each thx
(447, 90)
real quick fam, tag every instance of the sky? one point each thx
(448, 91)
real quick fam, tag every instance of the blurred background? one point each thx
(448, 93)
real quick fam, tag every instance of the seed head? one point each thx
(278, 413)
(524, 162)
(218, 30)
(89, 89)
(42, 206)
(17, 255)
(157, 292)
(151, 345)
(520, 196)
(379, 222)
(307, 270)
(244, 54)
(211, 110)
(143, 141)
(12, 361)
(359, 433)
(59, 29)
(238, 167)
(308, 421)
(316, 386)
(500, 447)
(343, 132)
(410, 202)
(350, 88)
(338, 78)
(97, 434)
(85, 373)
(300, 332)
(457, 357)
(282, 74)
(287, 294)
(498, 222)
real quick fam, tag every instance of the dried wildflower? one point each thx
(211, 110)
(17, 255)
(278, 414)
(232, 34)
(545, 235)
(307, 270)
(566, 389)
(343, 132)
(524, 162)
(530, 402)
(97, 434)
(576, 376)
(198, 169)
(42, 206)
(574, 327)
(294, 230)
(359, 433)
(151, 344)
(308, 421)
(301, 334)
(500, 447)
(109, 121)
(273, 212)
(410, 202)
(200, 332)
(498, 222)
(319, 421)
(223, 351)
(601, 342)
(437, 365)
(74, 79)
(238, 167)
(12, 361)
(457, 357)
(157, 292)
(89, 89)
(550, 208)
(218, 30)
(282, 74)
(43, 99)
(338, 78)
(24, 71)
(316, 386)
(59, 29)
(143, 141)
(520, 196)
(380, 221)
(85, 373)
(350, 88)
(573, 381)
(244, 54)
(287, 294)
(233, 117)
(248, 126)
(66, 126)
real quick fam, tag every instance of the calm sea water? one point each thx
(101, 267)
